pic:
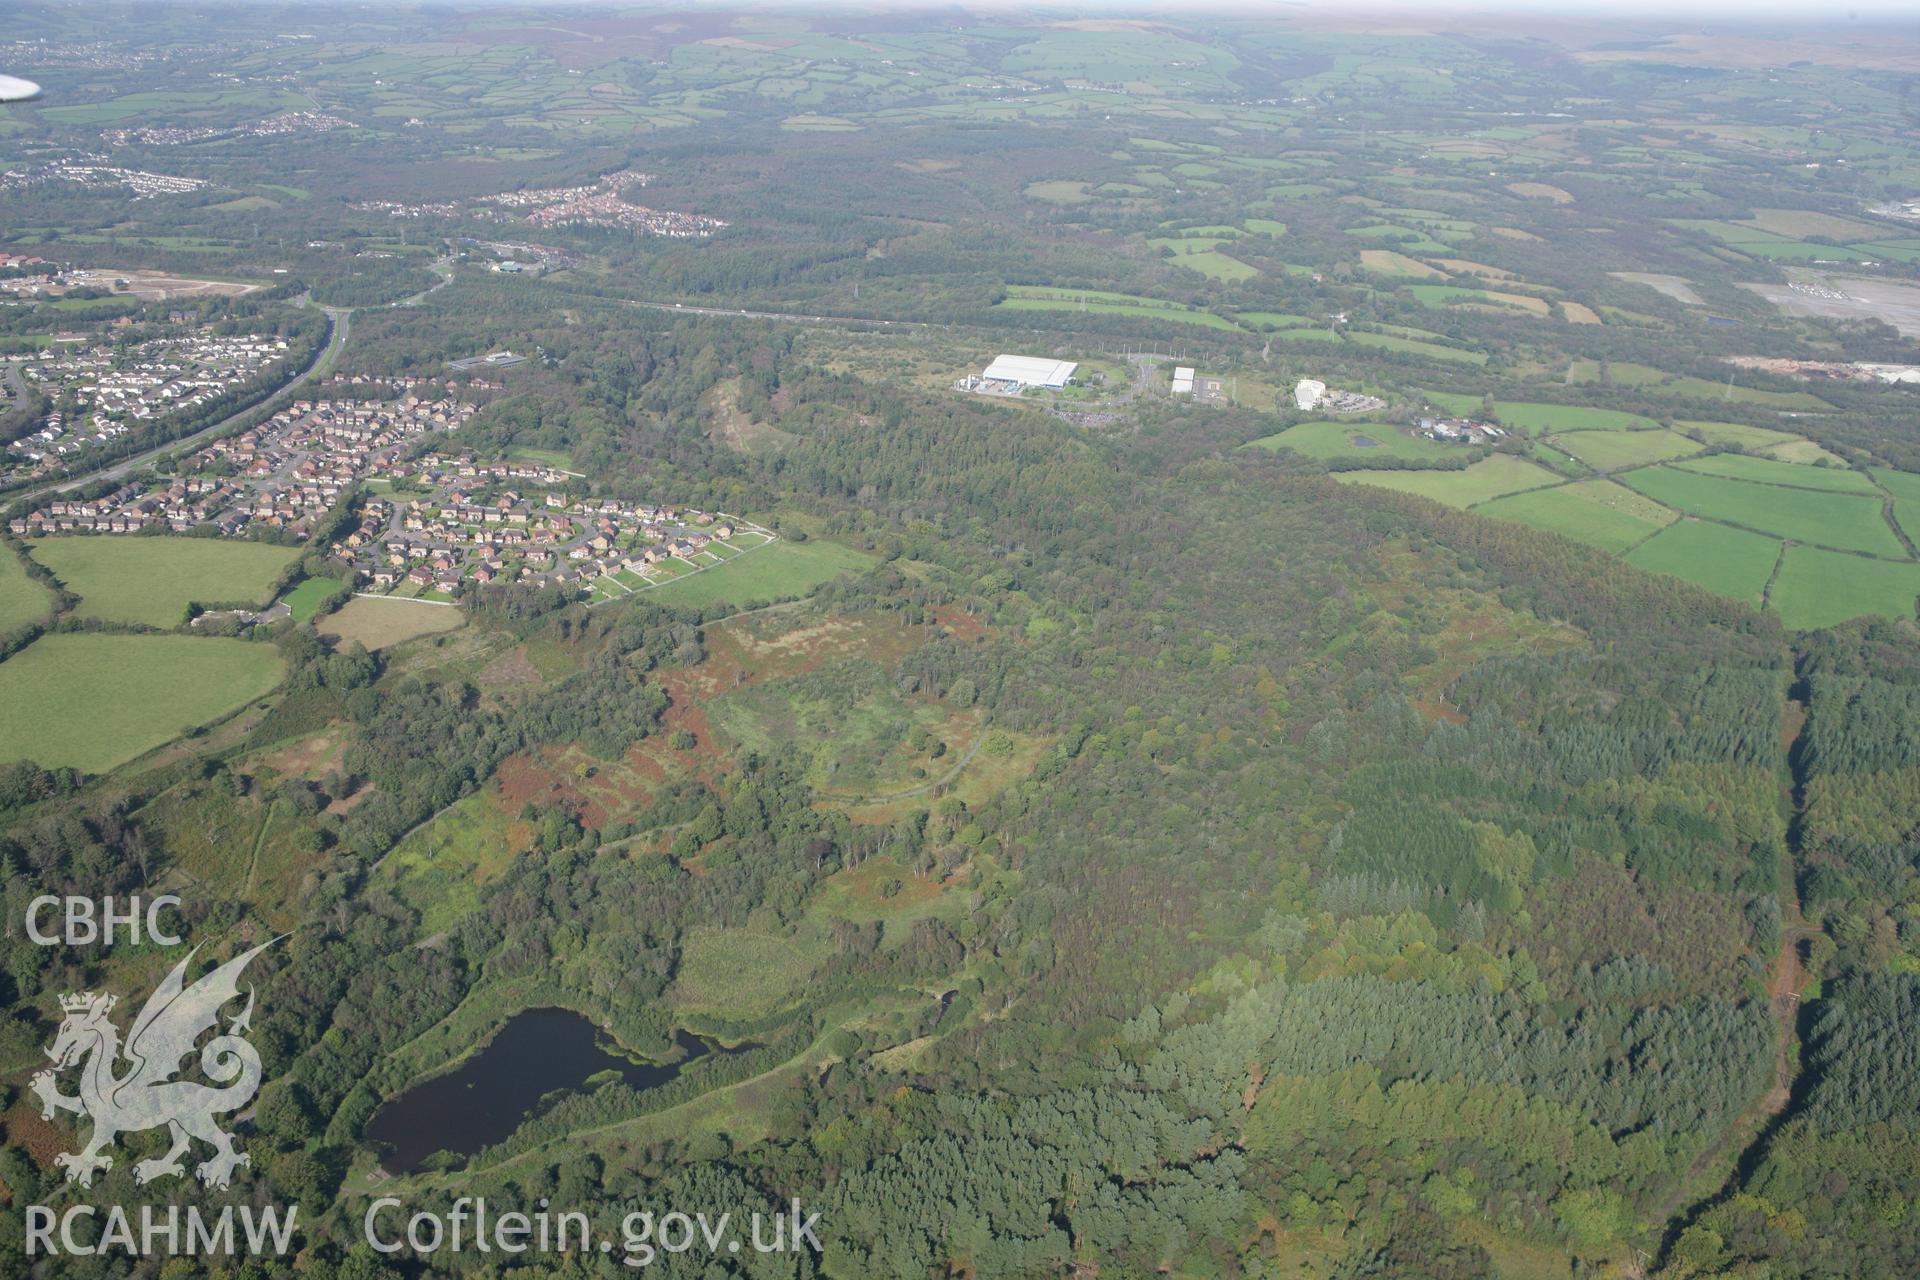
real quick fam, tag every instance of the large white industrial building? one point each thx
(1030, 371)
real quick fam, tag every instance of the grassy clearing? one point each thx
(1608, 450)
(1540, 191)
(1599, 513)
(1338, 440)
(1842, 521)
(1727, 562)
(1057, 191)
(784, 569)
(743, 973)
(1768, 471)
(94, 701)
(441, 866)
(152, 581)
(382, 623)
(1489, 478)
(1819, 588)
(22, 600)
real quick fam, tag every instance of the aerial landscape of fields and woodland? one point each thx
(872, 642)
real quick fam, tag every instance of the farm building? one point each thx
(1030, 371)
(1308, 392)
(1182, 380)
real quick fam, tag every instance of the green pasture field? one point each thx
(1609, 450)
(1818, 588)
(784, 569)
(1441, 295)
(1701, 389)
(1600, 513)
(1768, 471)
(1728, 562)
(1327, 439)
(1546, 419)
(1457, 403)
(93, 701)
(1265, 320)
(1659, 382)
(1905, 488)
(1489, 478)
(1216, 266)
(151, 581)
(1409, 346)
(1843, 521)
(22, 600)
(1737, 433)
(1387, 262)
(1095, 302)
(305, 599)
(1403, 239)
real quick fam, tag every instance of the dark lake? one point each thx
(537, 1053)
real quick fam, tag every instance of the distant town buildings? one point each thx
(600, 203)
(93, 173)
(273, 126)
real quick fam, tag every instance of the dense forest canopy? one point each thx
(1106, 829)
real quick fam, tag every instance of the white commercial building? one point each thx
(1182, 380)
(1308, 392)
(1030, 371)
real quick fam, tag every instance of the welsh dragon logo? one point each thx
(146, 1094)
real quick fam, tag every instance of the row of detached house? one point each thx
(180, 505)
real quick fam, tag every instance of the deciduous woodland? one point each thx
(1402, 762)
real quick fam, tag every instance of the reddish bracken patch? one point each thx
(538, 779)
(959, 622)
(40, 1140)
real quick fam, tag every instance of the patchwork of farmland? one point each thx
(1800, 235)
(1777, 525)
